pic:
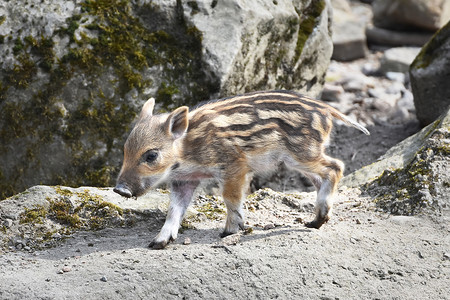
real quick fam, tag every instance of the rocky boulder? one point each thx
(349, 39)
(420, 14)
(255, 45)
(406, 23)
(74, 73)
(430, 77)
(412, 176)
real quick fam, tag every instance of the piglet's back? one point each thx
(225, 129)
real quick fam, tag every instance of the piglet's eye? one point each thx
(150, 156)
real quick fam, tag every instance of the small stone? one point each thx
(446, 256)
(353, 240)
(248, 230)
(396, 76)
(187, 241)
(332, 93)
(60, 272)
(358, 221)
(66, 269)
(104, 279)
(8, 223)
(376, 93)
(231, 239)
(368, 69)
(269, 226)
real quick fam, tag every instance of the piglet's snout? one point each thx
(122, 190)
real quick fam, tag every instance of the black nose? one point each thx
(123, 190)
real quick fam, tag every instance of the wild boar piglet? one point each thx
(229, 140)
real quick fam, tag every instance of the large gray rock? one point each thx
(255, 45)
(412, 176)
(399, 14)
(430, 77)
(349, 39)
(49, 213)
(390, 37)
(73, 74)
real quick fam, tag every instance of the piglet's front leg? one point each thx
(180, 197)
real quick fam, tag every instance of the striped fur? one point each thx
(229, 139)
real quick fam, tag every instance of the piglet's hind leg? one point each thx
(330, 171)
(233, 196)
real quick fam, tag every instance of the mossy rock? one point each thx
(430, 73)
(413, 177)
(51, 213)
(72, 82)
(69, 96)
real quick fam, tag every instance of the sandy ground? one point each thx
(359, 254)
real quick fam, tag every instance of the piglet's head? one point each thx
(151, 150)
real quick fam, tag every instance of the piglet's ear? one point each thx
(177, 123)
(147, 109)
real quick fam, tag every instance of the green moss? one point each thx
(211, 210)
(429, 51)
(306, 25)
(23, 73)
(18, 46)
(90, 212)
(165, 93)
(2, 19)
(63, 192)
(36, 214)
(194, 6)
(63, 211)
(401, 191)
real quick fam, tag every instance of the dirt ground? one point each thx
(359, 254)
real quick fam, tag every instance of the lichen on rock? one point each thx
(422, 185)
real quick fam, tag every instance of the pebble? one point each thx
(231, 239)
(104, 279)
(332, 93)
(8, 223)
(19, 245)
(396, 76)
(269, 226)
(187, 241)
(66, 269)
(354, 240)
(447, 256)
